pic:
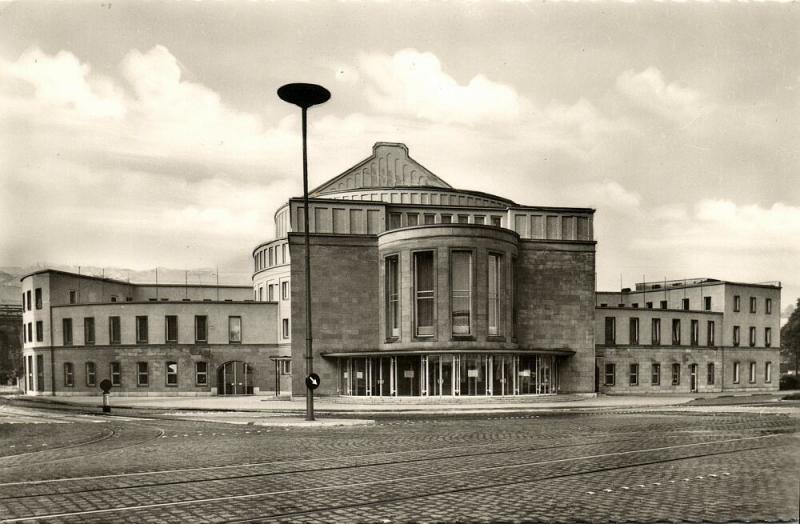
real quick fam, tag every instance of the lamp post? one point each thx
(305, 96)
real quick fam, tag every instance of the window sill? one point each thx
(462, 337)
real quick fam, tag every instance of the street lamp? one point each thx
(305, 96)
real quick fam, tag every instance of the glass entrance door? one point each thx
(235, 378)
(440, 375)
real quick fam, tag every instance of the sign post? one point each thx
(105, 385)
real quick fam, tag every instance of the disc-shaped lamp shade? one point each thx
(304, 95)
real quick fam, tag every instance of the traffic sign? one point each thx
(312, 381)
(105, 385)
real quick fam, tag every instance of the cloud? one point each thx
(413, 83)
(649, 91)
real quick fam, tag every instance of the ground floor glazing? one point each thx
(442, 375)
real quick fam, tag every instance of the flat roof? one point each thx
(126, 283)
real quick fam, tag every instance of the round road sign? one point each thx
(105, 385)
(312, 381)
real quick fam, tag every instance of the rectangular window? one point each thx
(40, 331)
(736, 336)
(171, 328)
(23, 301)
(113, 298)
(479, 219)
(285, 328)
(142, 376)
(201, 373)
(497, 221)
(88, 331)
(172, 373)
(655, 374)
(634, 331)
(610, 374)
(752, 337)
(261, 293)
(663, 304)
(707, 303)
(394, 220)
(67, 331)
(752, 372)
(737, 303)
(710, 328)
(768, 372)
(392, 297)
(735, 372)
(285, 290)
(494, 293)
(141, 330)
(91, 374)
(676, 374)
(461, 291)
(768, 306)
(633, 378)
(648, 305)
(413, 219)
(38, 295)
(234, 329)
(271, 257)
(695, 336)
(447, 219)
(753, 304)
(685, 304)
(285, 367)
(116, 374)
(655, 332)
(69, 375)
(676, 332)
(271, 293)
(611, 331)
(30, 304)
(767, 337)
(113, 330)
(463, 219)
(429, 219)
(710, 378)
(200, 328)
(423, 293)
(30, 332)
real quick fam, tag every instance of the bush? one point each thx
(790, 382)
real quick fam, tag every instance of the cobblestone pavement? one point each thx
(593, 467)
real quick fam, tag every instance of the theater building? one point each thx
(684, 336)
(422, 289)
(147, 339)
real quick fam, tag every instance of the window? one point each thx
(234, 329)
(91, 374)
(768, 372)
(461, 291)
(752, 376)
(392, 297)
(141, 330)
(767, 337)
(394, 220)
(710, 328)
(429, 218)
(116, 374)
(633, 378)
(172, 373)
(113, 330)
(413, 219)
(23, 301)
(260, 294)
(695, 336)
(735, 372)
(30, 332)
(768, 306)
(424, 293)
(38, 295)
(648, 305)
(285, 328)
(494, 293)
(113, 298)
(707, 303)
(676, 374)
(142, 376)
(479, 219)
(736, 338)
(285, 290)
(655, 374)
(752, 304)
(271, 293)
(752, 336)
(40, 331)
(88, 331)
(497, 221)
(635, 305)
(30, 305)
(285, 367)
(676, 332)
(737, 303)
(710, 374)
(67, 331)
(611, 371)
(271, 257)
(685, 304)
(655, 332)
(634, 331)
(200, 328)
(171, 327)
(201, 373)
(446, 219)
(663, 304)
(69, 375)
(463, 219)
(611, 331)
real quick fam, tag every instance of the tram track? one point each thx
(418, 478)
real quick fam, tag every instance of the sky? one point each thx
(143, 134)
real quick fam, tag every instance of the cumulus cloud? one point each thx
(648, 90)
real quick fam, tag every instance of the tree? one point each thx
(790, 339)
